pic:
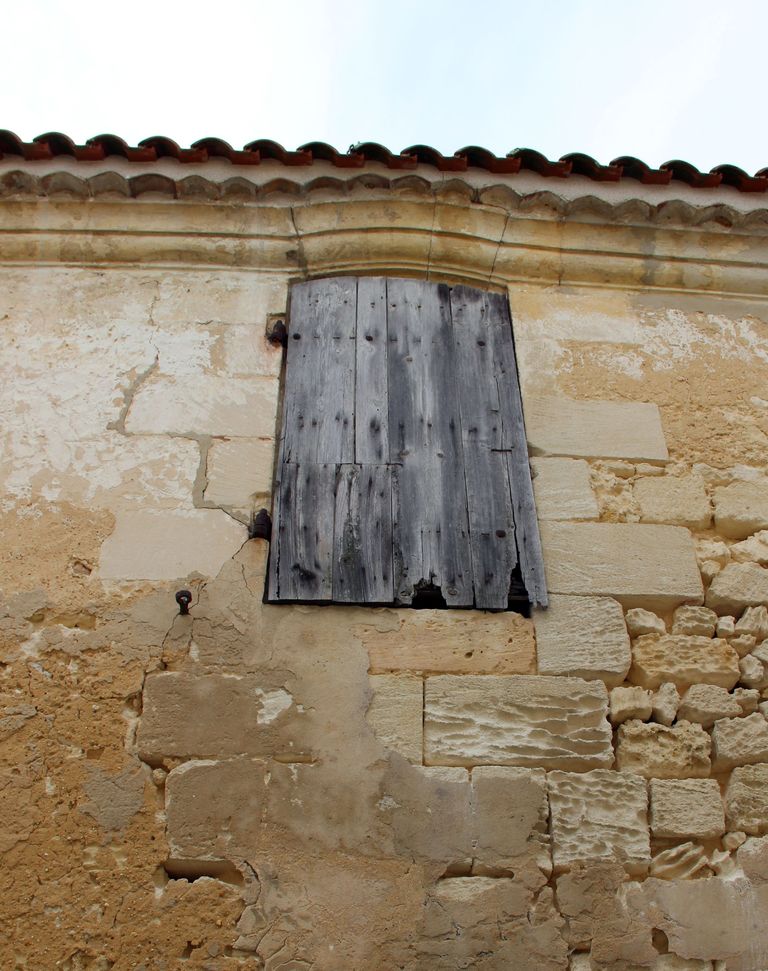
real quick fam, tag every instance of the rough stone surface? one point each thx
(683, 661)
(746, 799)
(752, 857)
(562, 489)
(598, 815)
(237, 470)
(699, 621)
(725, 627)
(752, 550)
(534, 721)
(741, 509)
(641, 621)
(706, 703)
(737, 586)
(630, 702)
(666, 702)
(584, 637)
(739, 741)
(655, 751)
(686, 809)
(396, 713)
(753, 621)
(678, 501)
(594, 429)
(592, 558)
(753, 673)
(680, 862)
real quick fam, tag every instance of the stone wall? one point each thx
(254, 786)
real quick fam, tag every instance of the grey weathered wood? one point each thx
(491, 520)
(362, 545)
(320, 373)
(430, 520)
(303, 566)
(371, 408)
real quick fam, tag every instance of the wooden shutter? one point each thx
(403, 460)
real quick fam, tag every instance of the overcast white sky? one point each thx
(660, 80)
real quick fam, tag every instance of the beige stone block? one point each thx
(753, 621)
(752, 550)
(530, 721)
(659, 752)
(562, 489)
(743, 644)
(666, 702)
(212, 716)
(583, 637)
(686, 809)
(681, 862)
(746, 799)
(752, 672)
(598, 815)
(712, 549)
(205, 404)
(168, 545)
(706, 703)
(683, 661)
(640, 566)
(630, 702)
(641, 622)
(737, 586)
(446, 641)
(725, 627)
(594, 429)
(679, 501)
(237, 470)
(741, 509)
(695, 621)
(739, 741)
(752, 857)
(396, 713)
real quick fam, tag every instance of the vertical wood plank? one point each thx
(319, 395)
(431, 525)
(304, 565)
(371, 407)
(362, 548)
(491, 520)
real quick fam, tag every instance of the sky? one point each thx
(659, 80)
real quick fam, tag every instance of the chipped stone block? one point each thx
(739, 741)
(639, 565)
(396, 713)
(712, 549)
(679, 501)
(725, 627)
(738, 586)
(752, 550)
(686, 809)
(741, 509)
(666, 701)
(531, 721)
(683, 660)
(709, 570)
(211, 716)
(655, 751)
(700, 621)
(679, 862)
(622, 470)
(154, 545)
(753, 673)
(594, 429)
(746, 799)
(598, 815)
(630, 702)
(562, 489)
(237, 470)
(706, 703)
(747, 699)
(752, 857)
(753, 621)
(584, 637)
(641, 621)
(743, 644)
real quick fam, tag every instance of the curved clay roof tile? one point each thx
(582, 164)
(481, 158)
(426, 155)
(635, 168)
(536, 162)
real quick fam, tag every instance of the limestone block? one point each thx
(746, 799)
(659, 752)
(747, 699)
(630, 702)
(624, 470)
(562, 489)
(396, 713)
(679, 501)
(640, 566)
(683, 661)
(686, 809)
(709, 570)
(531, 721)
(237, 470)
(752, 857)
(211, 716)
(594, 429)
(743, 644)
(699, 621)
(706, 703)
(725, 627)
(205, 404)
(752, 550)
(738, 586)
(584, 637)
(680, 862)
(753, 673)
(598, 815)
(666, 701)
(712, 549)
(641, 621)
(739, 741)
(446, 641)
(741, 509)
(753, 621)
(732, 841)
(154, 545)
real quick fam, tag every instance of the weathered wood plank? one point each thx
(491, 520)
(515, 450)
(319, 398)
(430, 522)
(304, 562)
(362, 546)
(371, 407)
